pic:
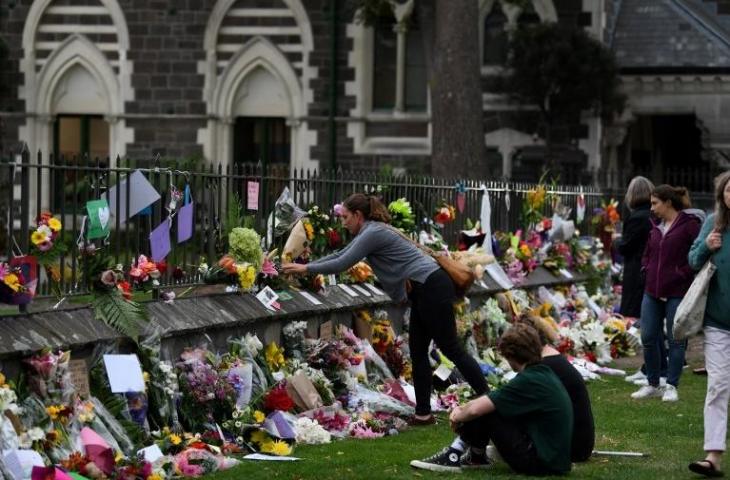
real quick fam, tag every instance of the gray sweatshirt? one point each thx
(393, 259)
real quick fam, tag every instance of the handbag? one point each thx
(462, 276)
(691, 310)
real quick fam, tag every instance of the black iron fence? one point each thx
(31, 184)
(34, 183)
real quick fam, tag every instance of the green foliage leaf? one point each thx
(563, 71)
(124, 316)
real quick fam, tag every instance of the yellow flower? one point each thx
(175, 439)
(525, 250)
(13, 282)
(274, 356)
(260, 437)
(54, 224)
(37, 238)
(52, 411)
(278, 448)
(118, 457)
(2, 381)
(310, 230)
(146, 377)
(154, 476)
(258, 416)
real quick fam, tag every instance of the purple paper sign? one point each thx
(185, 223)
(160, 241)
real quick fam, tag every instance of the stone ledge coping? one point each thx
(75, 328)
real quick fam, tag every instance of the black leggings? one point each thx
(432, 317)
(512, 442)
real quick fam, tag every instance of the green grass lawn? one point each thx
(670, 433)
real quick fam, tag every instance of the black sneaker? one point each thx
(474, 461)
(447, 460)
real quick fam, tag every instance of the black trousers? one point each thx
(512, 442)
(432, 317)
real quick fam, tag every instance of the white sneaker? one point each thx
(639, 375)
(644, 381)
(670, 394)
(647, 391)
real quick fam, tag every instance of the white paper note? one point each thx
(124, 372)
(565, 273)
(151, 453)
(495, 271)
(348, 290)
(374, 289)
(312, 299)
(443, 372)
(269, 458)
(268, 298)
(141, 195)
(362, 290)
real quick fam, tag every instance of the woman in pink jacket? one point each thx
(668, 277)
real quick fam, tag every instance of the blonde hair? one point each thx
(722, 213)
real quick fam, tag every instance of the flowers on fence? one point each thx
(604, 221)
(46, 240)
(402, 216)
(144, 272)
(445, 213)
(12, 279)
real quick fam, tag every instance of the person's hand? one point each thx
(714, 240)
(294, 268)
(456, 418)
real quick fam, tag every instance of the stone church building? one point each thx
(303, 84)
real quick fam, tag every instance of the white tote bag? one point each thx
(691, 310)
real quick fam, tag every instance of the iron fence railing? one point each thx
(31, 184)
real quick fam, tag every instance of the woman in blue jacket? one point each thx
(713, 244)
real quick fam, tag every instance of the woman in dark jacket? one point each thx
(632, 244)
(668, 277)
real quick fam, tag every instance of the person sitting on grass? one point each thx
(529, 420)
(583, 426)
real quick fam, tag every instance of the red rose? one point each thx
(278, 399)
(334, 239)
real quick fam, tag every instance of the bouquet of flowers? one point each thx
(46, 240)
(49, 377)
(604, 221)
(323, 234)
(444, 214)
(243, 423)
(13, 284)
(243, 262)
(358, 273)
(207, 394)
(402, 216)
(558, 257)
(145, 273)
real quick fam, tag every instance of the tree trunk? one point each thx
(456, 97)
